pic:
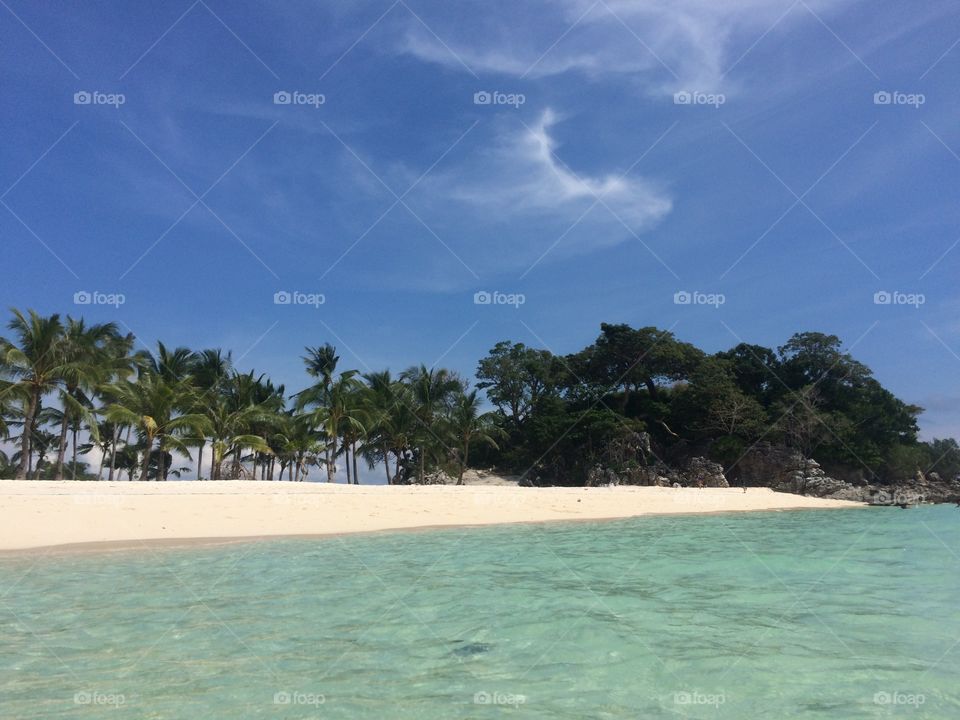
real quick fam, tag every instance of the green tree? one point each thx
(334, 409)
(431, 391)
(468, 425)
(516, 378)
(626, 359)
(153, 404)
(211, 369)
(35, 363)
(85, 352)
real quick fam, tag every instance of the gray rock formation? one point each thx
(787, 470)
(701, 472)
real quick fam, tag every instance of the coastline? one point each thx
(96, 516)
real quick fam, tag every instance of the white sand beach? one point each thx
(39, 514)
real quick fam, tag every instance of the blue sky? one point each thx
(783, 185)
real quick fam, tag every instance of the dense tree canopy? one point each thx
(808, 394)
(633, 396)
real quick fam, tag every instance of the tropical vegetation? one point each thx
(71, 390)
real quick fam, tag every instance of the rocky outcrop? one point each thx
(787, 470)
(699, 472)
(764, 465)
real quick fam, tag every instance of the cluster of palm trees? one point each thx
(67, 386)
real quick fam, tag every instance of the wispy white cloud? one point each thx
(523, 175)
(667, 44)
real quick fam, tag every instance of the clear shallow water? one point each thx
(816, 614)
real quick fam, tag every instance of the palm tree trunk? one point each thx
(386, 463)
(126, 444)
(62, 448)
(331, 454)
(356, 475)
(113, 451)
(346, 459)
(463, 463)
(146, 458)
(25, 446)
(161, 462)
(200, 459)
(73, 471)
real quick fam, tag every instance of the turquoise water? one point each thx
(816, 614)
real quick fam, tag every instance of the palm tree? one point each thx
(35, 363)
(321, 362)
(211, 368)
(272, 398)
(121, 362)
(229, 427)
(354, 430)
(391, 422)
(432, 391)
(172, 365)
(85, 355)
(104, 441)
(468, 425)
(297, 445)
(8, 402)
(152, 404)
(336, 412)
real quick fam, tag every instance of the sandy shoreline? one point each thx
(44, 514)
